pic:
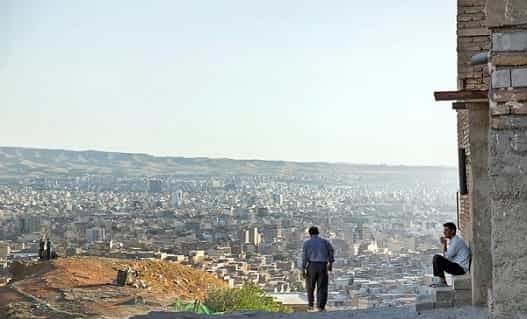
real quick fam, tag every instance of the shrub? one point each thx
(248, 298)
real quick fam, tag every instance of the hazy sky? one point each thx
(305, 80)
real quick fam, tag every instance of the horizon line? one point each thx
(229, 158)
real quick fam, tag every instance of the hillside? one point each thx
(16, 162)
(84, 285)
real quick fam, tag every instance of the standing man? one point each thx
(317, 260)
(456, 255)
(42, 247)
(48, 249)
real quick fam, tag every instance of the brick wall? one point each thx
(472, 38)
(464, 218)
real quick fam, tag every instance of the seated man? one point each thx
(456, 255)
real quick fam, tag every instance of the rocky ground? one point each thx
(381, 313)
(84, 287)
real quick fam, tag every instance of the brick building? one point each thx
(491, 107)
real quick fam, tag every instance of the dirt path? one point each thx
(380, 313)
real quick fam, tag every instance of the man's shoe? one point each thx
(311, 309)
(439, 285)
(321, 309)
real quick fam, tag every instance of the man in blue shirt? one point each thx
(456, 255)
(317, 260)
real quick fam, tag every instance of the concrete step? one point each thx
(463, 282)
(424, 302)
(462, 298)
(443, 297)
(446, 297)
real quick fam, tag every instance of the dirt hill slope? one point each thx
(84, 285)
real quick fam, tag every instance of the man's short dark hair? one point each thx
(313, 230)
(450, 226)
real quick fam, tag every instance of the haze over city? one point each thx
(272, 80)
(263, 159)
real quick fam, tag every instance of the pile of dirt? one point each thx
(87, 284)
(165, 277)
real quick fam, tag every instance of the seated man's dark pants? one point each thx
(442, 265)
(317, 275)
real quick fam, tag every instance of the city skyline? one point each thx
(294, 82)
(239, 228)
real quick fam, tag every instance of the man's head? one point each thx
(449, 230)
(313, 230)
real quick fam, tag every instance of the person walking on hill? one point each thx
(317, 260)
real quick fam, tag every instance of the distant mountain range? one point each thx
(16, 162)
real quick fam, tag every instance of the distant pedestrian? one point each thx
(48, 249)
(317, 260)
(42, 247)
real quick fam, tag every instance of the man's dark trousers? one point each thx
(317, 276)
(442, 265)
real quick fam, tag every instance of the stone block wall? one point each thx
(507, 170)
(508, 157)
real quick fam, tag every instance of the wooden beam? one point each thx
(461, 95)
(459, 106)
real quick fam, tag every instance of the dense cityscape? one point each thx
(263, 159)
(383, 222)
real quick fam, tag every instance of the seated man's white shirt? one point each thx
(458, 252)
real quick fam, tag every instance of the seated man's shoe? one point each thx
(439, 285)
(311, 309)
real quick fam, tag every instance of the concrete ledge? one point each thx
(435, 298)
(444, 297)
(462, 282)
(424, 301)
(462, 298)
(459, 294)
(423, 306)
